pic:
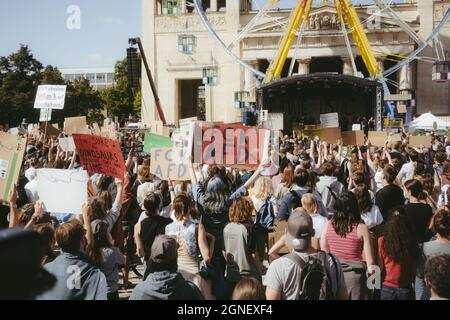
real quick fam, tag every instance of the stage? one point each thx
(302, 98)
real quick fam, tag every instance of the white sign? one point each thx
(185, 124)
(67, 144)
(50, 97)
(356, 127)
(275, 121)
(398, 97)
(62, 191)
(46, 115)
(329, 120)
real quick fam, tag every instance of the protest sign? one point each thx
(156, 141)
(62, 191)
(275, 121)
(50, 97)
(329, 120)
(395, 137)
(67, 144)
(100, 155)
(180, 141)
(55, 125)
(353, 138)
(378, 138)
(164, 166)
(45, 115)
(401, 108)
(356, 127)
(156, 127)
(75, 125)
(185, 124)
(12, 149)
(229, 145)
(418, 141)
(330, 135)
(49, 130)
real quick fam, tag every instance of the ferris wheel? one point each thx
(350, 26)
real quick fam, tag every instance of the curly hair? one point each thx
(441, 222)
(399, 241)
(241, 210)
(347, 214)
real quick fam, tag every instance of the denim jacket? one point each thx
(189, 233)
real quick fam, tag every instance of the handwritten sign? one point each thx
(418, 141)
(75, 125)
(329, 120)
(45, 115)
(100, 155)
(163, 165)
(156, 141)
(50, 97)
(12, 149)
(67, 144)
(62, 191)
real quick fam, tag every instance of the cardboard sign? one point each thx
(62, 191)
(50, 97)
(100, 155)
(49, 130)
(401, 108)
(156, 141)
(418, 141)
(378, 138)
(329, 120)
(45, 115)
(67, 144)
(75, 125)
(353, 138)
(229, 145)
(164, 166)
(330, 135)
(275, 121)
(395, 137)
(12, 149)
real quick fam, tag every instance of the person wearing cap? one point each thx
(163, 281)
(283, 278)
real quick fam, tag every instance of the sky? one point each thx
(100, 40)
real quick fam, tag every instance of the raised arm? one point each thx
(205, 249)
(13, 211)
(86, 213)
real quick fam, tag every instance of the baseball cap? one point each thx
(164, 249)
(299, 231)
(304, 156)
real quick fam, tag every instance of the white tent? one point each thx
(426, 122)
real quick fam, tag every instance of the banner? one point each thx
(50, 97)
(100, 155)
(378, 138)
(329, 120)
(163, 165)
(12, 149)
(275, 121)
(45, 115)
(62, 191)
(75, 125)
(156, 141)
(353, 138)
(67, 144)
(418, 141)
(230, 145)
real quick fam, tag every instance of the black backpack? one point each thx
(314, 279)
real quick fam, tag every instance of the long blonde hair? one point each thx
(310, 203)
(263, 188)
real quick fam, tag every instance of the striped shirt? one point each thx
(345, 248)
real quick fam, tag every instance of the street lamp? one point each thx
(210, 75)
(186, 43)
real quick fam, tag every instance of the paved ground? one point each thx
(124, 294)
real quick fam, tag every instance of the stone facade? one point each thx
(322, 37)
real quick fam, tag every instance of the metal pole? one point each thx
(150, 78)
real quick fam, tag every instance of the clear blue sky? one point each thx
(102, 39)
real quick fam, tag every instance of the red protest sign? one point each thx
(229, 145)
(100, 155)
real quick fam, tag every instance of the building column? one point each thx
(405, 78)
(347, 68)
(303, 65)
(214, 6)
(249, 78)
(183, 6)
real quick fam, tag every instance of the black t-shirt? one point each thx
(389, 197)
(150, 228)
(419, 215)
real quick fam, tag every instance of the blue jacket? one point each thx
(287, 203)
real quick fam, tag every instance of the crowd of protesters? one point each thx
(349, 217)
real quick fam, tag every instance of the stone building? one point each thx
(183, 56)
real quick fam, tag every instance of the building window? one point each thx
(101, 77)
(110, 77)
(90, 76)
(170, 7)
(186, 43)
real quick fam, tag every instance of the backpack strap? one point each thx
(332, 193)
(296, 259)
(296, 197)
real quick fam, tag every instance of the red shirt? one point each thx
(398, 275)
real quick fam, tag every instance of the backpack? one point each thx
(265, 216)
(314, 279)
(297, 198)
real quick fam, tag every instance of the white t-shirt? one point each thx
(31, 189)
(318, 223)
(407, 171)
(378, 177)
(373, 217)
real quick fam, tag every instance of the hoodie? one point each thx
(323, 185)
(165, 285)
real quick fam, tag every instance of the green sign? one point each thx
(156, 141)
